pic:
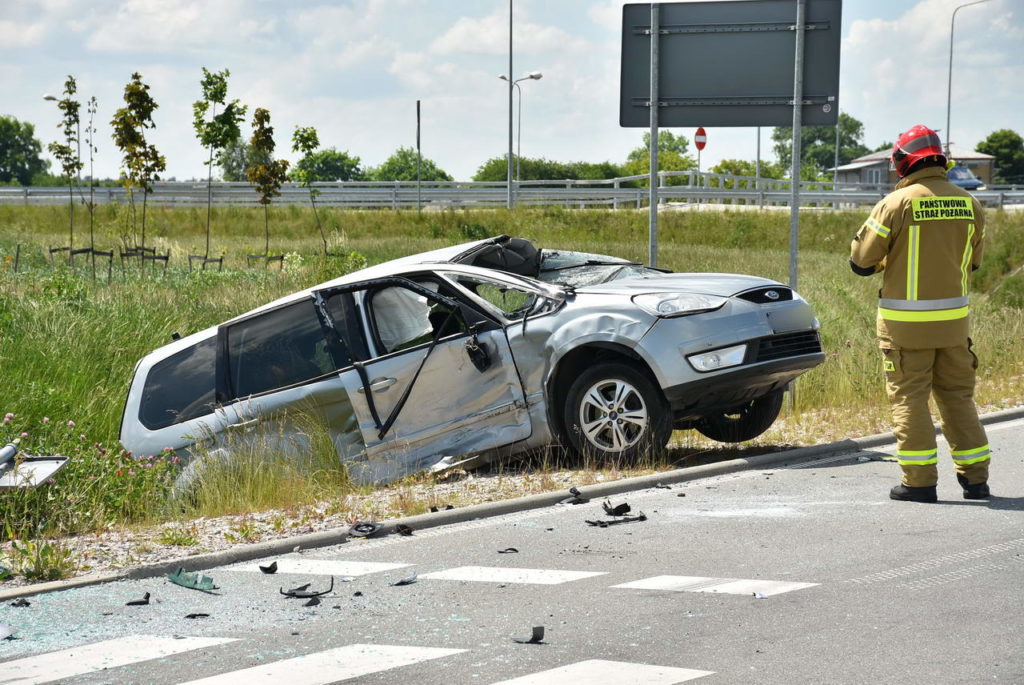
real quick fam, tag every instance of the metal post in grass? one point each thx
(508, 166)
(419, 161)
(652, 229)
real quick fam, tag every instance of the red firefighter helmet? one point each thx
(916, 144)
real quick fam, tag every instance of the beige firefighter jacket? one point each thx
(926, 238)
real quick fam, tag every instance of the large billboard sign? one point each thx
(730, 63)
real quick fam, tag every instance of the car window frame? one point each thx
(518, 283)
(476, 320)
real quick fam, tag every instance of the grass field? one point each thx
(68, 343)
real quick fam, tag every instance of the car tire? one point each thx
(615, 412)
(745, 422)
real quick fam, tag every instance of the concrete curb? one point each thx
(478, 511)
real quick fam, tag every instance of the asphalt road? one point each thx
(801, 573)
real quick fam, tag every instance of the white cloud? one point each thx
(489, 36)
(155, 26)
(14, 35)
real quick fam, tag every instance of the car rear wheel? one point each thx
(745, 422)
(613, 411)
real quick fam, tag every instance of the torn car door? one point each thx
(419, 396)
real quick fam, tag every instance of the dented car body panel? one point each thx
(473, 349)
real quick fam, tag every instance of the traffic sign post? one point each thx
(700, 139)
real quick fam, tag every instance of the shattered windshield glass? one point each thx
(578, 269)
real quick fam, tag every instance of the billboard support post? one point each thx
(652, 233)
(798, 97)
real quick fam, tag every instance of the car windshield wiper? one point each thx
(592, 262)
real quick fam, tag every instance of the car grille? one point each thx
(762, 296)
(788, 345)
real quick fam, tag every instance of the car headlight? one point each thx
(677, 304)
(718, 359)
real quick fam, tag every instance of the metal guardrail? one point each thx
(625, 192)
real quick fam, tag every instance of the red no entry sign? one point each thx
(701, 138)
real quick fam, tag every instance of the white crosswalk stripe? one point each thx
(98, 656)
(729, 586)
(602, 672)
(330, 666)
(495, 574)
(325, 567)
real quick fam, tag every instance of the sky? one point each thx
(354, 69)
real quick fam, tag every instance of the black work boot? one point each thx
(909, 494)
(976, 491)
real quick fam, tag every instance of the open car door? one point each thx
(437, 377)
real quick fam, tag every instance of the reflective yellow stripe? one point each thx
(937, 315)
(877, 227)
(967, 453)
(917, 457)
(975, 460)
(973, 456)
(965, 261)
(917, 462)
(913, 257)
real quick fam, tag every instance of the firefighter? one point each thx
(926, 239)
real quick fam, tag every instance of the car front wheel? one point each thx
(613, 411)
(745, 422)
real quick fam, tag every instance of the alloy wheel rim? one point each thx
(613, 415)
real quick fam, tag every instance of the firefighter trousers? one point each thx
(948, 374)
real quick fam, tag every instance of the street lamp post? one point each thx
(535, 76)
(949, 85)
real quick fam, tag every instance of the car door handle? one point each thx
(379, 384)
(243, 425)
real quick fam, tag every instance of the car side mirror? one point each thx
(477, 351)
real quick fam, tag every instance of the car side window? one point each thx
(181, 387)
(341, 308)
(404, 318)
(279, 348)
(513, 302)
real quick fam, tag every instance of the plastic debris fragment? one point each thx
(508, 550)
(192, 581)
(536, 638)
(625, 519)
(364, 529)
(303, 591)
(760, 595)
(403, 529)
(620, 510)
(21, 602)
(408, 580)
(197, 616)
(662, 486)
(313, 602)
(269, 568)
(138, 602)
(447, 507)
(575, 497)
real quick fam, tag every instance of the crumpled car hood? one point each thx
(723, 285)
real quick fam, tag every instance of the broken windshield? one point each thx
(580, 269)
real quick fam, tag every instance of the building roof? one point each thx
(955, 151)
(853, 166)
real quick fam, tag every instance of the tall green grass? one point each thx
(68, 343)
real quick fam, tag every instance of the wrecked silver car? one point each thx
(491, 347)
